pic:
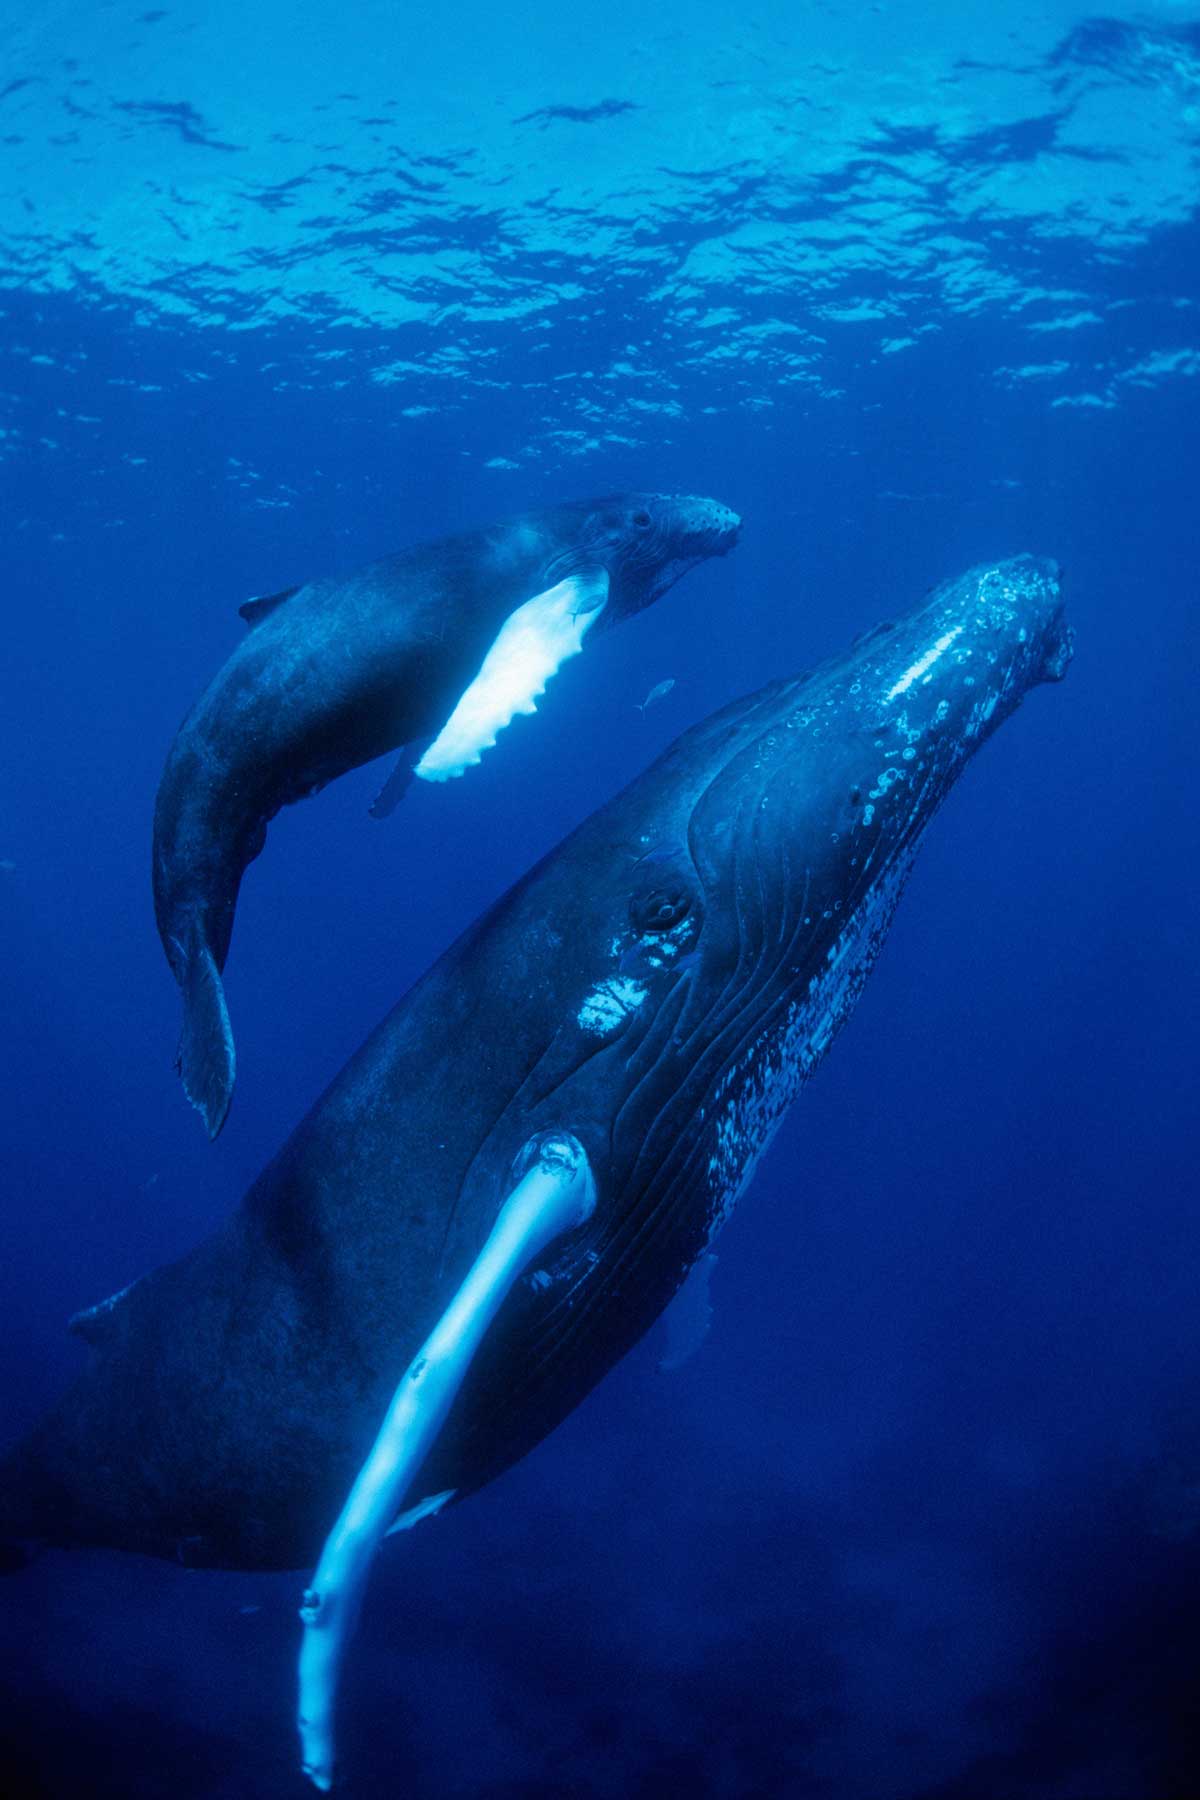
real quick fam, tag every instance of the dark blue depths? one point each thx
(920, 1519)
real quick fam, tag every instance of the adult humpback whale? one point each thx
(510, 1180)
(455, 637)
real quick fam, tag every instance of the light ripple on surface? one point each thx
(748, 192)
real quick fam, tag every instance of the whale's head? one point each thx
(784, 827)
(646, 542)
(711, 929)
(840, 771)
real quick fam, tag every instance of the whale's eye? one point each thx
(642, 520)
(659, 909)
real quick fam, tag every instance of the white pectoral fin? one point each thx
(530, 647)
(555, 1194)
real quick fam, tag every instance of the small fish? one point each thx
(659, 691)
(661, 853)
(245, 1611)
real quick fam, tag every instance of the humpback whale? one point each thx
(453, 638)
(508, 1183)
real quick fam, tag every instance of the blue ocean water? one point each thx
(910, 286)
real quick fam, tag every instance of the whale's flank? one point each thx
(207, 1061)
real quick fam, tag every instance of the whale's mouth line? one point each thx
(650, 559)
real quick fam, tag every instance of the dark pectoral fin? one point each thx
(398, 781)
(261, 606)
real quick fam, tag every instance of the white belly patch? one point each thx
(531, 646)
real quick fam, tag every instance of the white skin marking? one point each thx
(608, 1004)
(530, 647)
(923, 663)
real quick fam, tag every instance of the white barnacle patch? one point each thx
(887, 779)
(659, 949)
(669, 944)
(610, 1002)
(983, 709)
(645, 953)
(923, 664)
(530, 647)
(910, 733)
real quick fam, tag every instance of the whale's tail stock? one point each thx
(21, 1525)
(14, 1556)
(207, 1061)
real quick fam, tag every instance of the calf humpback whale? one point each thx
(454, 638)
(511, 1179)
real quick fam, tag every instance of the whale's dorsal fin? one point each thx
(261, 606)
(530, 647)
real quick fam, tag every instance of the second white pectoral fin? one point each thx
(553, 1192)
(530, 647)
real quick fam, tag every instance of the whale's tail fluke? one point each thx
(207, 1062)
